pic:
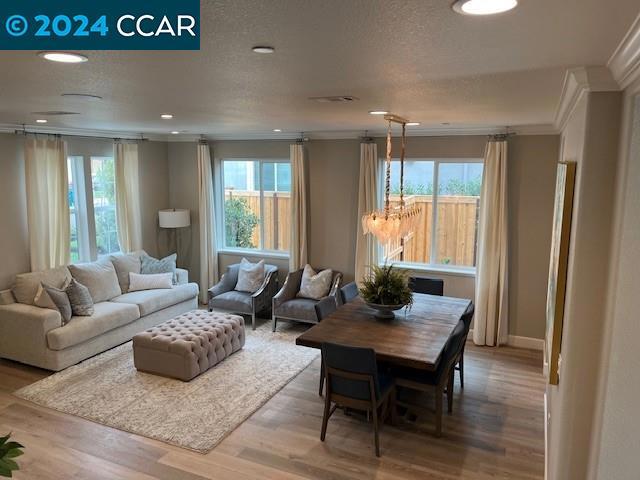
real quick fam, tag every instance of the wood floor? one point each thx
(496, 431)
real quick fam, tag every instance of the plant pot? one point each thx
(384, 312)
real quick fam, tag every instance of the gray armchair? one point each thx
(222, 295)
(286, 306)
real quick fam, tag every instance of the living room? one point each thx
(196, 243)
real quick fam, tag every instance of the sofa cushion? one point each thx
(107, 316)
(60, 301)
(233, 301)
(126, 263)
(149, 301)
(80, 299)
(99, 277)
(302, 308)
(26, 285)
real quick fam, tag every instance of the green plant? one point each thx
(239, 223)
(8, 451)
(386, 285)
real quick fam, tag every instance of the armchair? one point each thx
(222, 295)
(287, 306)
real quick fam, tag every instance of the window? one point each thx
(92, 208)
(257, 196)
(447, 229)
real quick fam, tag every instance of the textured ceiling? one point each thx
(416, 58)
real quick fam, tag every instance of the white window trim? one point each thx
(220, 223)
(464, 271)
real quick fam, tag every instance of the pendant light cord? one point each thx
(402, 150)
(387, 189)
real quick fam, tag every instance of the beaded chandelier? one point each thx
(396, 222)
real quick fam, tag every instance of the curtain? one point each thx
(366, 245)
(47, 202)
(491, 315)
(208, 251)
(128, 217)
(298, 242)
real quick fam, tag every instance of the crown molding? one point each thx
(577, 82)
(625, 61)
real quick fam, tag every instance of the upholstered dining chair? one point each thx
(466, 319)
(288, 306)
(348, 292)
(353, 381)
(431, 286)
(223, 296)
(441, 380)
(324, 308)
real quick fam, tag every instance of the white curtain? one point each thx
(298, 244)
(47, 202)
(366, 245)
(208, 251)
(492, 313)
(128, 217)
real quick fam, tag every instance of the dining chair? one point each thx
(441, 380)
(466, 319)
(348, 292)
(324, 308)
(431, 286)
(353, 381)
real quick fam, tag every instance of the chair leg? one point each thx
(275, 321)
(394, 408)
(376, 434)
(325, 418)
(450, 391)
(253, 321)
(321, 379)
(461, 368)
(439, 394)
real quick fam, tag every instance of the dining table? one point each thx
(415, 337)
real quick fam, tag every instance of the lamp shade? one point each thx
(174, 218)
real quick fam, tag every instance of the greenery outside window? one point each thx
(448, 192)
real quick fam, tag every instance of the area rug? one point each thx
(197, 415)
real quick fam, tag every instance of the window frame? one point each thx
(220, 195)
(460, 270)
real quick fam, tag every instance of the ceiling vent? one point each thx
(335, 99)
(55, 113)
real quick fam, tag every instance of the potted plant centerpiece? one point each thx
(386, 289)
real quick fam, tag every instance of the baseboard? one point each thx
(520, 342)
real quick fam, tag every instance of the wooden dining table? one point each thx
(415, 338)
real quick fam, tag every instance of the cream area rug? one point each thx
(196, 415)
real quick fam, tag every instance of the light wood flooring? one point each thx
(496, 431)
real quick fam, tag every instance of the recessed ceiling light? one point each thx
(175, 132)
(413, 124)
(166, 116)
(378, 112)
(277, 130)
(63, 57)
(263, 49)
(41, 120)
(484, 7)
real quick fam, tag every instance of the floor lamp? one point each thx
(174, 219)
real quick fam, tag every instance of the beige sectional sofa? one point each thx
(36, 336)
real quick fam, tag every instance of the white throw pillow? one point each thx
(149, 281)
(315, 285)
(250, 276)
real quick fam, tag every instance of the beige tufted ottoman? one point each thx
(189, 344)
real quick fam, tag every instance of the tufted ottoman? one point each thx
(189, 344)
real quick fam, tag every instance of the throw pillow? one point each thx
(149, 281)
(80, 299)
(25, 287)
(125, 263)
(99, 277)
(42, 298)
(153, 265)
(250, 276)
(60, 300)
(315, 285)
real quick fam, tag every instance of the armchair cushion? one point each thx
(233, 301)
(250, 276)
(315, 285)
(298, 308)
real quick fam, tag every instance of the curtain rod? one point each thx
(78, 135)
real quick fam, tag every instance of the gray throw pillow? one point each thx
(99, 277)
(126, 263)
(153, 265)
(80, 299)
(61, 300)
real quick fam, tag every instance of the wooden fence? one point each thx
(456, 230)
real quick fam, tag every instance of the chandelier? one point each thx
(398, 221)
